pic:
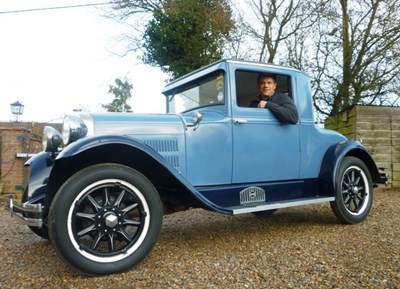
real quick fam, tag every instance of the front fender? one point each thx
(123, 150)
(332, 160)
(40, 166)
(88, 143)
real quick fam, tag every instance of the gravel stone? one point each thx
(302, 247)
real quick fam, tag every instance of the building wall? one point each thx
(378, 128)
(17, 138)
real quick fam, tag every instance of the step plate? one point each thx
(252, 195)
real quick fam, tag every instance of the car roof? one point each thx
(221, 64)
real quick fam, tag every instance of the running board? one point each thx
(272, 206)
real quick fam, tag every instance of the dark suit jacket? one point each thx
(282, 107)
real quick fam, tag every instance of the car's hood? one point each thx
(133, 124)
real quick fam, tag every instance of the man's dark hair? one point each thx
(264, 75)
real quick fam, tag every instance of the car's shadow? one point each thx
(196, 228)
(198, 224)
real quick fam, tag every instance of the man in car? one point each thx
(280, 104)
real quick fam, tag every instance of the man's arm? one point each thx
(283, 108)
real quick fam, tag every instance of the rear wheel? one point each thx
(354, 191)
(105, 219)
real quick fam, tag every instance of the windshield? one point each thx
(204, 92)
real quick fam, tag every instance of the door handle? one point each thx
(240, 120)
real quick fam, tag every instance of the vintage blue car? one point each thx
(100, 188)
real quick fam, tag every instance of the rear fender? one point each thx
(332, 160)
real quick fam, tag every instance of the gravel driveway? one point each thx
(302, 247)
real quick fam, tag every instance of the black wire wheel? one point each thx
(105, 219)
(354, 191)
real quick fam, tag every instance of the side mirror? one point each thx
(196, 118)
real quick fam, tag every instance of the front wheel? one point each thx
(354, 191)
(105, 219)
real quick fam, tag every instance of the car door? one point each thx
(264, 150)
(208, 134)
(209, 149)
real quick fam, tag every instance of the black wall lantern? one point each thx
(17, 109)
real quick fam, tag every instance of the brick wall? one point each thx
(17, 138)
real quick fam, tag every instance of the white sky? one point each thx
(54, 61)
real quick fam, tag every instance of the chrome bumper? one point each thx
(30, 214)
(384, 177)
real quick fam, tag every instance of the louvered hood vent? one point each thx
(167, 148)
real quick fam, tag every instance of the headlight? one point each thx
(73, 129)
(51, 139)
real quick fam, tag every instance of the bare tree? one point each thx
(274, 22)
(177, 36)
(349, 48)
(357, 56)
(135, 14)
(124, 9)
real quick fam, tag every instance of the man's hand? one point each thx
(262, 103)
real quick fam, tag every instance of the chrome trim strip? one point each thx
(249, 209)
(30, 214)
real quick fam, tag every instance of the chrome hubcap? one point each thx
(111, 220)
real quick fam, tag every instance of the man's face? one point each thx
(266, 86)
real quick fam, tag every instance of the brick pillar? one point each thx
(13, 140)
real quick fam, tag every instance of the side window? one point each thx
(247, 86)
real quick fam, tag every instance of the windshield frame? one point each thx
(208, 90)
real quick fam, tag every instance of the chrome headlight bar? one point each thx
(51, 139)
(73, 129)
